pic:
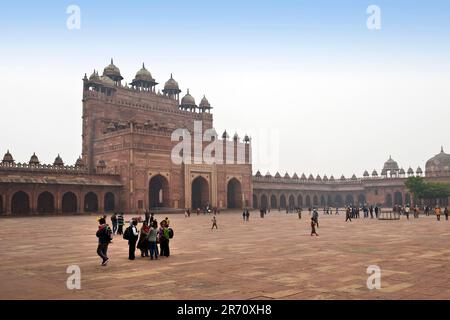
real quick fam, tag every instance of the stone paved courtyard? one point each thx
(271, 258)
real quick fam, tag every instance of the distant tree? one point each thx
(422, 189)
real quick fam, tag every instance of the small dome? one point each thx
(79, 163)
(278, 175)
(311, 177)
(112, 72)
(295, 176)
(58, 161)
(188, 101)
(410, 170)
(318, 178)
(303, 177)
(143, 75)
(94, 76)
(106, 81)
(390, 165)
(34, 160)
(258, 174)
(235, 137)
(354, 177)
(332, 178)
(247, 139)
(204, 104)
(8, 158)
(439, 165)
(419, 170)
(325, 178)
(171, 86)
(286, 176)
(268, 175)
(374, 173)
(343, 178)
(366, 174)
(402, 171)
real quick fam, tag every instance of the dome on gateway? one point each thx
(188, 100)
(58, 161)
(438, 165)
(144, 75)
(112, 72)
(171, 84)
(8, 158)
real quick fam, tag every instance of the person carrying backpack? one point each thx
(104, 235)
(131, 234)
(164, 237)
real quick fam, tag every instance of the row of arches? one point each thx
(291, 201)
(397, 199)
(21, 204)
(159, 197)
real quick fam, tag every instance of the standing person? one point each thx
(104, 235)
(438, 213)
(300, 213)
(147, 217)
(377, 211)
(313, 228)
(247, 214)
(407, 210)
(315, 216)
(164, 239)
(152, 218)
(152, 238)
(446, 213)
(120, 223)
(143, 243)
(243, 215)
(114, 222)
(371, 212)
(214, 223)
(132, 234)
(337, 211)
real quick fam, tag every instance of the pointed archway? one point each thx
(20, 203)
(46, 203)
(69, 203)
(234, 194)
(109, 202)
(158, 195)
(90, 202)
(200, 193)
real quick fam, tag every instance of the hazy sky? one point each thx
(306, 78)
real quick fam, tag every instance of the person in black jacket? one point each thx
(134, 235)
(104, 235)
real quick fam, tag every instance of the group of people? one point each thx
(146, 239)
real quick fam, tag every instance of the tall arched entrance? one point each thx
(398, 199)
(338, 201)
(283, 201)
(158, 195)
(69, 203)
(273, 202)
(291, 202)
(20, 203)
(388, 201)
(46, 203)
(90, 202)
(200, 193)
(234, 194)
(109, 202)
(255, 201)
(349, 200)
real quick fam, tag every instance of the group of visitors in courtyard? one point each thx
(146, 239)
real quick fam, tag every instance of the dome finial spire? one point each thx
(442, 149)
(112, 61)
(171, 76)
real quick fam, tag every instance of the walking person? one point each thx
(104, 235)
(407, 210)
(152, 240)
(438, 213)
(313, 228)
(315, 216)
(243, 215)
(247, 214)
(214, 223)
(300, 213)
(114, 222)
(348, 215)
(446, 213)
(143, 243)
(120, 223)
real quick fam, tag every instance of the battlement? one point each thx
(53, 169)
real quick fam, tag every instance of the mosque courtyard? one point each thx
(270, 258)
